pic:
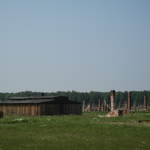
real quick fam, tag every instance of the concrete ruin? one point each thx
(114, 112)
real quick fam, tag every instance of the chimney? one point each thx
(145, 102)
(112, 100)
(129, 101)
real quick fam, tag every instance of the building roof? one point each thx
(36, 97)
(25, 101)
(38, 100)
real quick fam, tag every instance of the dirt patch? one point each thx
(144, 121)
(126, 123)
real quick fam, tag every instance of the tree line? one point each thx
(89, 97)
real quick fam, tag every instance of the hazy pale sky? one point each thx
(83, 45)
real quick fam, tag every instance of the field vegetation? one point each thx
(88, 131)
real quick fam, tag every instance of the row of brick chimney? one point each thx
(129, 101)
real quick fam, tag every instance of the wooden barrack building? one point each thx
(44, 105)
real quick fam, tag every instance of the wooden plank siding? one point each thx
(21, 109)
(40, 109)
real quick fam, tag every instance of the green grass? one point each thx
(85, 132)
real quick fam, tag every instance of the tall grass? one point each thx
(85, 132)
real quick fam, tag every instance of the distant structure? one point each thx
(113, 111)
(43, 105)
(112, 100)
(129, 101)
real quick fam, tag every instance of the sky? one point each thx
(81, 45)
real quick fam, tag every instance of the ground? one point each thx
(86, 132)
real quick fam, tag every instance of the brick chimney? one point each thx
(145, 102)
(112, 100)
(129, 101)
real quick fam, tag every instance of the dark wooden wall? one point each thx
(60, 109)
(40, 109)
(20, 109)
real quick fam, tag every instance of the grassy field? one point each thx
(85, 132)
